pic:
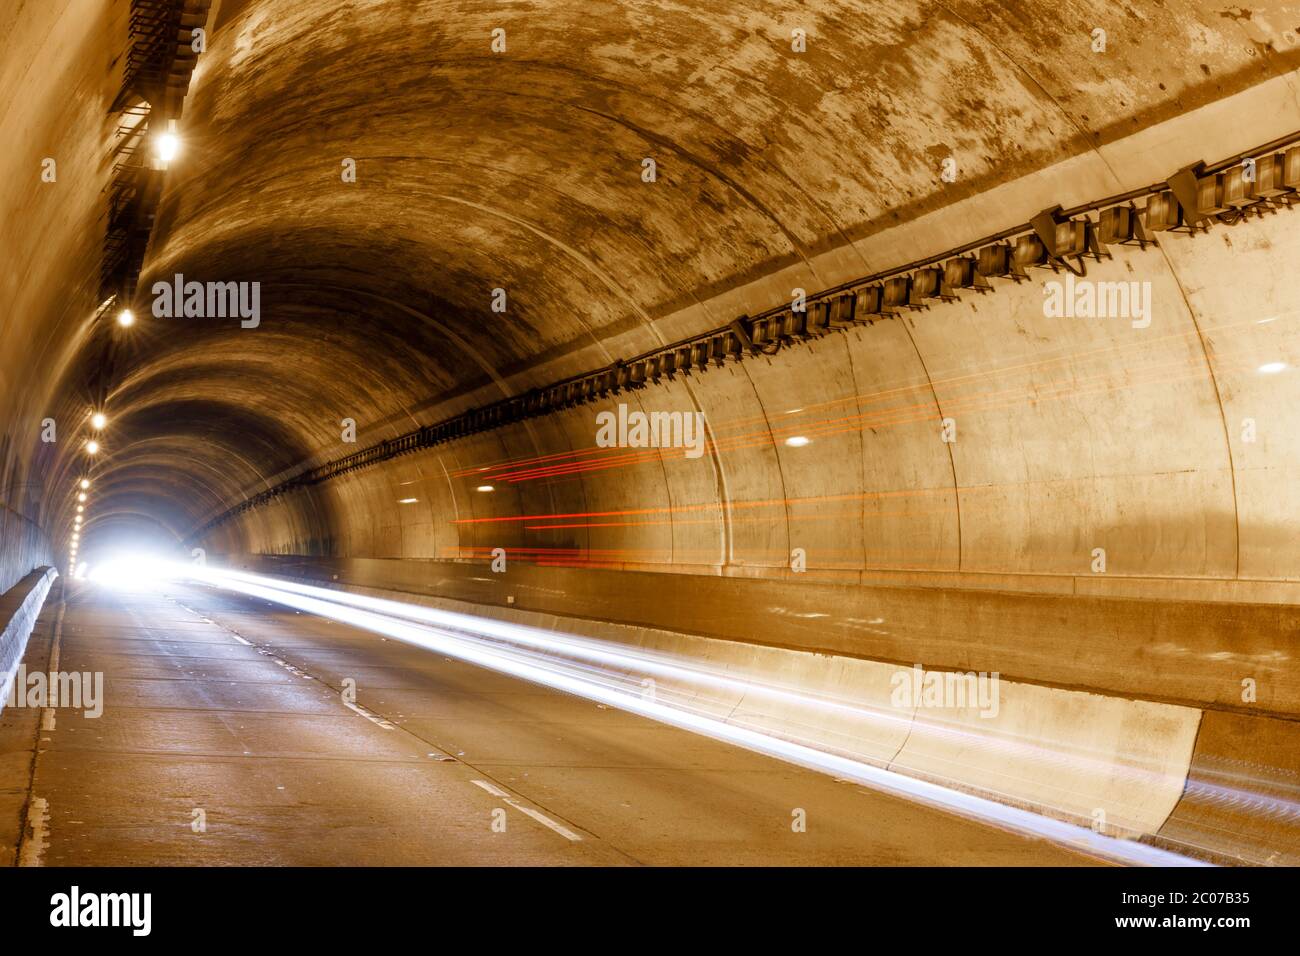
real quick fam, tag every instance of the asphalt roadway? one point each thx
(227, 738)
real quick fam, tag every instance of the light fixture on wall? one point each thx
(167, 145)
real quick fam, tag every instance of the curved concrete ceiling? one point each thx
(519, 170)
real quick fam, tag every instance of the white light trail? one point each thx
(614, 677)
(635, 663)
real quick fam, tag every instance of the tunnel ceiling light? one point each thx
(85, 482)
(81, 497)
(167, 146)
(92, 446)
(126, 318)
(80, 508)
(485, 488)
(407, 501)
(797, 441)
(1272, 368)
(98, 420)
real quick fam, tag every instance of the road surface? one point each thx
(226, 739)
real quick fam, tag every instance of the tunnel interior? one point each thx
(410, 260)
(453, 223)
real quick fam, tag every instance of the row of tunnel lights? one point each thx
(98, 421)
(166, 147)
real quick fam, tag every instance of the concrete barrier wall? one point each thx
(19, 608)
(1243, 791)
(1109, 762)
(1196, 654)
(1071, 754)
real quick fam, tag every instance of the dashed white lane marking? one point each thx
(373, 718)
(369, 715)
(497, 792)
(208, 620)
(197, 614)
(541, 818)
(37, 833)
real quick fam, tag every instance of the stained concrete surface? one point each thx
(258, 737)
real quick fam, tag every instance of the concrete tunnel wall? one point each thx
(25, 548)
(1072, 434)
(1164, 445)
